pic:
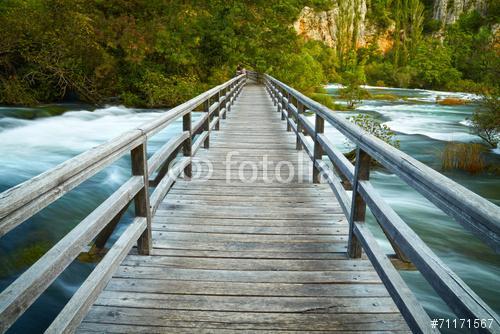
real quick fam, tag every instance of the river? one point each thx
(31, 145)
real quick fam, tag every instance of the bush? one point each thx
(374, 127)
(324, 99)
(486, 119)
(379, 72)
(464, 156)
(159, 90)
(301, 71)
(432, 64)
(451, 101)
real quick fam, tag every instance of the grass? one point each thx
(388, 97)
(451, 101)
(464, 156)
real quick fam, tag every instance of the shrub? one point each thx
(374, 127)
(388, 97)
(451, 101)
(486, 119)
(324, 99)
(464, 156)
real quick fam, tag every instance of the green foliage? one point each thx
(486, 119)
(374, 127)
(324, 99)
(353, 92)
(162, 52)
(433, 65)
(409, 18)
(301, 71)
(150, 53)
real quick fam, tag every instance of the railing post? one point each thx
(274, 94)
(217, 112)
(187, 146)
(280, 100)
(206, 126)
(358, 205)
(228, 97)
(319, 128)
(219, 96)
(283, 105)
(139, 160)
(300, 111)
(288, 127)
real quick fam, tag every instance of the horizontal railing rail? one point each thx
(28, 198)
(475, 213)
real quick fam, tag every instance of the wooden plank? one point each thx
(299, 247)
(74, 311)
(269, 321)
(139, 162)
(246, 289)
(187, 148)
(199, 141)
(232, 254)
(318, 150)
(256, 230)
(358, 205)
(89, 327)
(241, 237)
(200, 122)
(161, 155)
(166, 183)
(330, 222)
(412, 311)
(249, 304)
(248, 265)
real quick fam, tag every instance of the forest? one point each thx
(158, 53)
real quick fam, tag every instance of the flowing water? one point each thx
(33, 144)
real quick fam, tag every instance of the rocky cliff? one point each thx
(327, 26)
(448, 11)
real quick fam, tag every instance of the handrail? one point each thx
(28, 198)
(472, 211)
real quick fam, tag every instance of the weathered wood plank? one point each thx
(253, 246)
(246, 288)
(248, 265)
(255, 230)
(89, 327)
(248, 254)
(240, 320)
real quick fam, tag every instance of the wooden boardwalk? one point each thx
(246, 255)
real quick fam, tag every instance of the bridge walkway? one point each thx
(249, 244)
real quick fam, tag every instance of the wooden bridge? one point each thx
(246, 236)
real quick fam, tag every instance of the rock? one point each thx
(324, 26)
(448, 11)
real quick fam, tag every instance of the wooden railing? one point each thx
(25, 200)
(475, 213)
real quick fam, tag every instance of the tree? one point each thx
(486, 119)
(432, 64)
(352, 80)
(409, 19)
